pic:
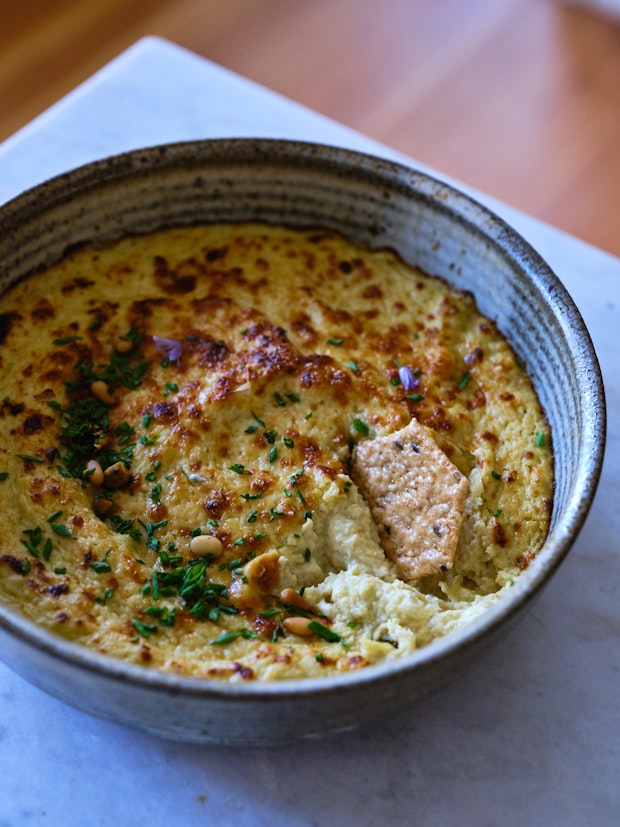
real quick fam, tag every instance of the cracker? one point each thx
(416, 498)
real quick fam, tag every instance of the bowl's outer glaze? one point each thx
(380, 204)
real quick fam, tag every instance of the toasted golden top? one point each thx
(178, 419)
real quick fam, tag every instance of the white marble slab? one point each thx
(530, 736)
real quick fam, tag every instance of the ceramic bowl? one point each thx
(380, 204)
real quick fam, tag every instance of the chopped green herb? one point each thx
(238, 468)
(144, 629)
(273, 454)
(256, 496)
(146, 420)
(464, 380)
(293, 397)
(229, 637)
(54, 516)
(3, 475)
(259, 420)
(415, 397)
(336, 342)
(307, 554)
(353, 366)
(361, 427)
(106, 596)
(323, 631)
(540, 439)
(279, 400)
(252, 516)
(289, 442)
(65, 340)
(60, 570)
(29, 457)
(302, 499)
(495, 475)
(102, 566)
(63, 531)
(497, 513)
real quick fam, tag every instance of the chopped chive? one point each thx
(353, 366)
(273, 454)
(289, 442)
(361, 427)
(54, 516)
(29, 457)
(63, 531)
(415, 397)
(336, 342)
(540, 439)
(65, 340)
(464, 380)
(324, 632)
(495, 475)
(259, 420)
(238, 468)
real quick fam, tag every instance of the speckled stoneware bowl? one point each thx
(377, 203)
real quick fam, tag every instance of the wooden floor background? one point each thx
(518, 98)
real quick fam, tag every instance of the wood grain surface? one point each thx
(518, 98)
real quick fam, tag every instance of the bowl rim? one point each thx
(61, 188)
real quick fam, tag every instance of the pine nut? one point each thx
(293, 598)
(102, 392)
(298, 626)
(117, 476)
(102, 506)
(206, 544)
(94, 472)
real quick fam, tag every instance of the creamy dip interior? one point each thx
(178, 420)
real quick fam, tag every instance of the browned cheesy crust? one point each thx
(180, 421)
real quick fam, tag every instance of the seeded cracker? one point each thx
(416, 498)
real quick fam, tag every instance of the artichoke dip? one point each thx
(247, 452)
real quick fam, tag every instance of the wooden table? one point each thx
(518, 98)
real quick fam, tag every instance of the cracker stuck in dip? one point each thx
(246, 452)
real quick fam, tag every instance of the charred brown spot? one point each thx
(216, 504)
(14, 563)
(78, 283)
(6, 322)
(523, 560)
(59, 589)
(499, 535)
(216, 254)
(475, 357)
(43, 310)
(33, 423)
(164, 410)
(12, 408)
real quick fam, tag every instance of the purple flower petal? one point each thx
(170, 347)
(409, 382)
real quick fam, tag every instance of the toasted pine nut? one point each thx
(117, 476)
(122, 345)
(206, 544)
(94, 472)
(293, 598)
(298, 626)
(102, 392)
(102, 506)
